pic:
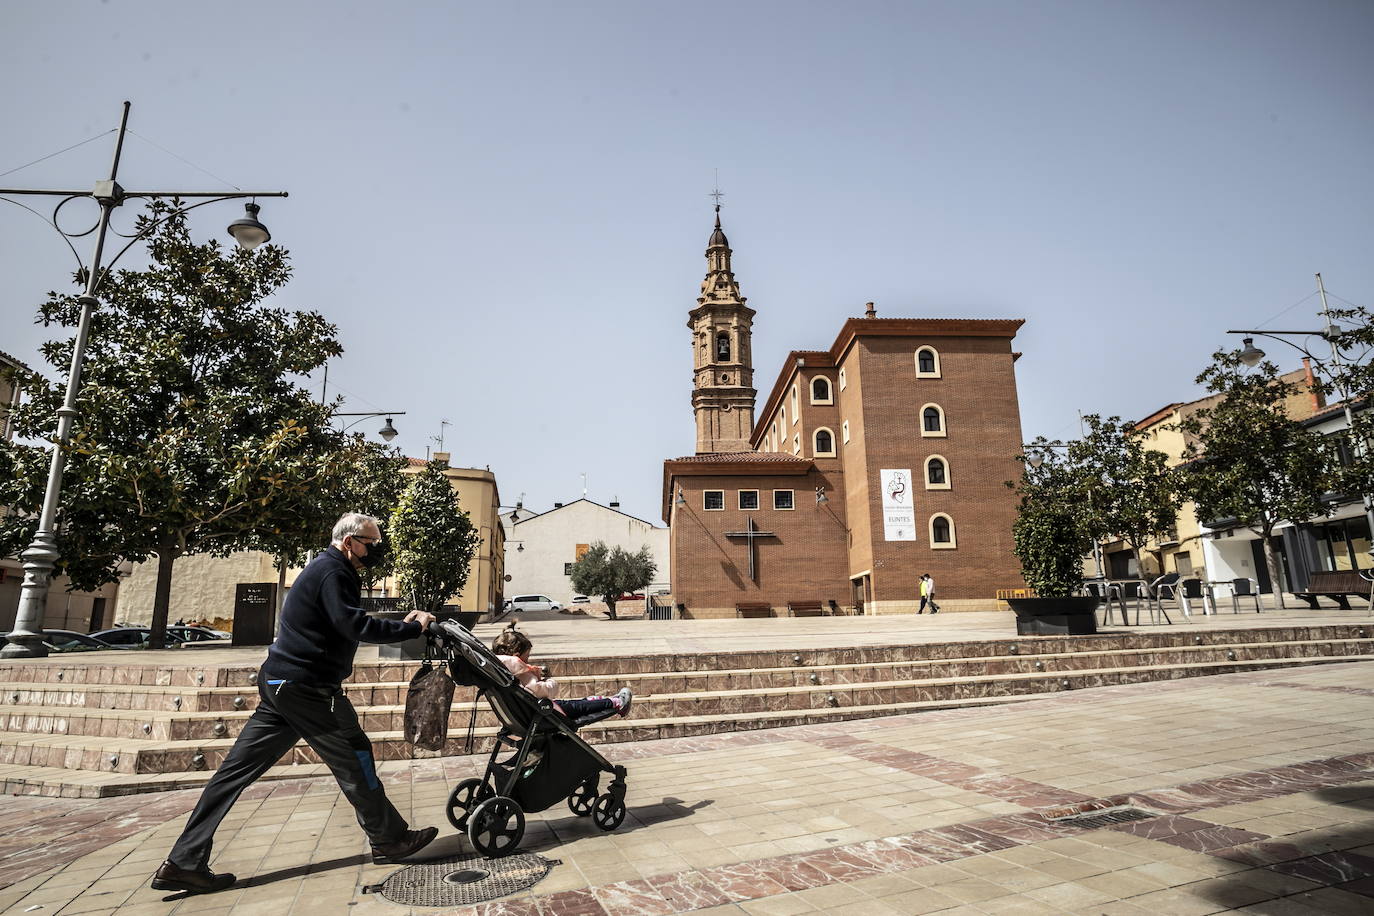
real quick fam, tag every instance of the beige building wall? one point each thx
(202, 586)
(79, 611)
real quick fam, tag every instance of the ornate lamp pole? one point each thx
(42, 554)
(1251, 356)
(387, 432)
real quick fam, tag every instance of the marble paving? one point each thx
(1259, 789)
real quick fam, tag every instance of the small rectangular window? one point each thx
(782, 499)
(567, 571)
(713, 500)
(748, 499)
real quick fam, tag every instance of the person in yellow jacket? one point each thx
(928, 595)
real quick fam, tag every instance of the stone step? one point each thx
(201, 671)
(381, 707)
(670, 715)
(158, 700)
(89, 783)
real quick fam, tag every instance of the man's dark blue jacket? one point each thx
(322, 623)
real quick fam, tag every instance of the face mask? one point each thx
(375, 556)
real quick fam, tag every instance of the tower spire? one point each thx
(723, 395)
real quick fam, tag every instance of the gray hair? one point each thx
(352, 523)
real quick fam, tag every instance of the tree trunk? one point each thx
(610, 606)
(162, 598)
(1271, 560)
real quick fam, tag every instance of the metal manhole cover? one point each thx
(464, 880)
(1105, 817)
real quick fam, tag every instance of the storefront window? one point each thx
(1343, 545)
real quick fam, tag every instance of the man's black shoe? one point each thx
(411, 842)
(202, 881)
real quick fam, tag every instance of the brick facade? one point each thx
(871, 404)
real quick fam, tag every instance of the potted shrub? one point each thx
(1051, 535)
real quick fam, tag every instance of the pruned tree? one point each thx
(193, 434)
(432, 540)
(612, 571)
(1132, 493)
(1052, 530)
(1250, 460)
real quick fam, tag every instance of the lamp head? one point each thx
(1251, 354)
(1035, 459)
(387, 432)
(821, 498)
(520, 548)
(248, 231)
(680, 500)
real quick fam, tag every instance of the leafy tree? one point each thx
(1251, 461)
(1352, 379)
(361, 477)
(612, 571)
(432, 540)
(1132, 493)
(1053, 526)
(193, 436)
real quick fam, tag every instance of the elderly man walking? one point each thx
(300, 697)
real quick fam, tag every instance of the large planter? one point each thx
(414, 649)
(1074, 616)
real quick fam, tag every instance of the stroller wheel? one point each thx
(582, 799)
(464, 797)
(608, 811)
(496, 827)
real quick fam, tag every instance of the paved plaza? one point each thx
(1256, 792)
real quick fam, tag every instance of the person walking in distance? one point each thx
(928, 595)
(300, 697)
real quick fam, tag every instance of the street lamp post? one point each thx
(1251, 356)
(387, 432)
(40, 558)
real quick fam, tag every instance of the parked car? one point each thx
(197, 634)
(581, 599)
(534, 603)
(134, 637)
(637, 596)
(69, 641)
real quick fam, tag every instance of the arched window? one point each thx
(844, 431)
(820, 390)
(796, 408)
(932, 420)
(823, 442)
(941, 532)
(927, 363)
(937, 476)
(723, 347)
(842, 380)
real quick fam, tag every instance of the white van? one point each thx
(534, 603)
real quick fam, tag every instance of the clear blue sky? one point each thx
(504, 206)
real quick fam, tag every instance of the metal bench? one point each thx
(1337, 585)
(753, 609)
(806, 609)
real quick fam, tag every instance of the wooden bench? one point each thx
(806, 609)
(1336, 585)
(753, 609)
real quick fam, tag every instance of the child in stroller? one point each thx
(513, 649)
(548, 762)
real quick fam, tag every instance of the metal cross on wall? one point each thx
(751, 534)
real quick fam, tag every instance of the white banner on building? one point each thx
(899, 515)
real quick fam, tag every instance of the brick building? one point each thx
(871, 463)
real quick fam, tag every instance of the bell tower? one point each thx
(722, 362)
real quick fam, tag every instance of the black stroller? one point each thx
(548, 761)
